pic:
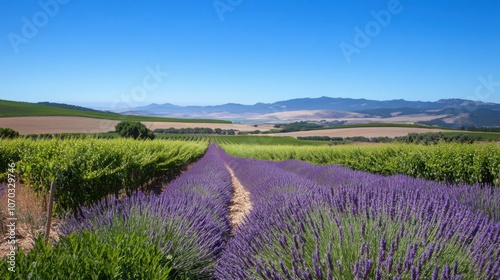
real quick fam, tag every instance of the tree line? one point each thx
(196, 130)
(414, 138)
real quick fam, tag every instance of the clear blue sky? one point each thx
(102, 52)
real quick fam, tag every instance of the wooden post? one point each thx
(49, 211)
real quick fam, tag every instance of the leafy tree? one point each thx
(8, 133)
(133, 129)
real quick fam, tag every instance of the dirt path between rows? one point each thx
(241, 204)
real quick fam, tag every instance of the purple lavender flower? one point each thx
(190, 218)
(300, 207)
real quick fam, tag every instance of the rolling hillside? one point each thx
(25, 109)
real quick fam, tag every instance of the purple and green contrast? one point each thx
(306, 222)
(179, 234)
(329, 222)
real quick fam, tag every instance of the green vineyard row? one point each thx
(454, 163)
(88, 170)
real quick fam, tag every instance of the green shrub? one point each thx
(8, 133)
(124, 251)
(133, 129)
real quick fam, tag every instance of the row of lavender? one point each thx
(480, 197)
(179, 234)
(329, 222)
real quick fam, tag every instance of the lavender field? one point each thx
(329, 222)
(304, 221)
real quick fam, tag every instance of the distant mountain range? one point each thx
(444, 112)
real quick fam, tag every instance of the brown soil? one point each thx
(38, 125)
(30, 223)
(241, 204)
(25, 239)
